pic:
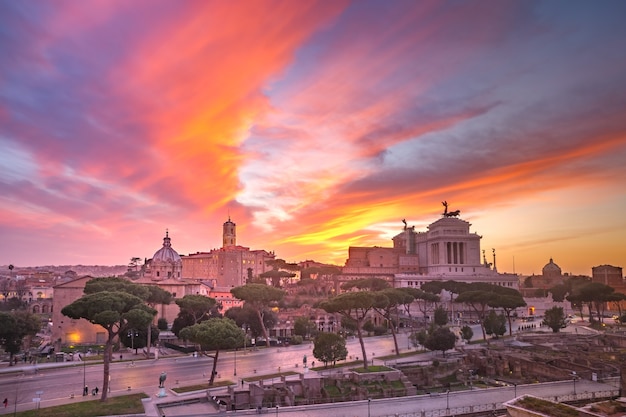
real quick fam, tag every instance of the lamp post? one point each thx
(447, 402)
(17, 387)
(369, 401)
(515, 385)
(84, 369)
(574, 380)
(132, 333)
(245, 336)
(235, 370)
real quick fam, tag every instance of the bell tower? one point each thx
(229, 234)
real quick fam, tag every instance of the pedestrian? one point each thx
(5, 402)
(97, 390)
(85, 390)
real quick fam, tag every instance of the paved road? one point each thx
(55, 384)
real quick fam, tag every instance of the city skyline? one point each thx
(314, 126)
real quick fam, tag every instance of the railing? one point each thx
(481, 408)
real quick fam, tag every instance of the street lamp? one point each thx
(369, 400)
(132, 333)
(245, 336)
(17, 387)
(574, 379)
(447, 402)
(84, 369)
(235, 370)
(515, 385)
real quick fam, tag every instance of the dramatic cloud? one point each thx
(314, 125)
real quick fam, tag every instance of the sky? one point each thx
(313, 125)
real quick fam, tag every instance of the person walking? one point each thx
(5, 402)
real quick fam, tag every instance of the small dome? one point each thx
(166, 254)
(551, 268)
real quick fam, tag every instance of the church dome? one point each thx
(166, 254)
(551, 269)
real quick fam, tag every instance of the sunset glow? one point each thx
(313, 125)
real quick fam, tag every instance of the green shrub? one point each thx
(296, 340)
(380, 330)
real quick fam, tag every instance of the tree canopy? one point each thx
(247, 317)
(196, 306)
(111, 303)
(495, 324)
(441, 316)
(480, 295)
(387, 302)
(214, 334)
(304, 327)
(441, 339)
(14, 327)
(156, 296)
(116, 284)
(276, 276)
(426, 301)
(355, 306)
(258, 297)
(554, 318)
(508, 300)
(467, 333)
(329, 348)
(478, 300)
(323, 279)
(193, 310)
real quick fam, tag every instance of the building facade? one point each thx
(447, 250)
(608, 275)
(613, 277)
(229, 266)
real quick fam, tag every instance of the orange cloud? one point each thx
(206, 73)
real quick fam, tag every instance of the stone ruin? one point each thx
(549, 357)
(339, 387)
(531, 357)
